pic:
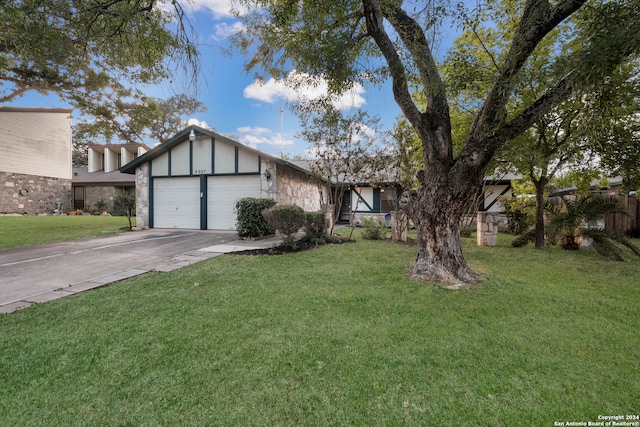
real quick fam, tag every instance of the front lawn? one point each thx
(334, 336)
(28, 230)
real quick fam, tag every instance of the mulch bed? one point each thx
(299, 246)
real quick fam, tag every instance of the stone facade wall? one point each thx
(142, 196)
(107, 193)
(296, 188)
(42, 194)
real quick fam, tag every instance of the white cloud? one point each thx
(255, 136)
(199, 123)
(249, 129)
(219, 8)
(272, 90)
(223, 30)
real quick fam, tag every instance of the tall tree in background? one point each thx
(567, 140)
(91, 53)
(359, 40)
(151, 121)
(343, 148)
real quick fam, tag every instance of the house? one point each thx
(193, 180)
(361, 199)
(35, 160)
(101, 178)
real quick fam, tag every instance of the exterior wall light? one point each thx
(267, 174)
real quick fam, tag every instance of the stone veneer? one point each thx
(297, 188)
(107, 193)
(487, 229)
(142, 196)
(43, 193)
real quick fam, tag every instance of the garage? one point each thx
(176, 202)
(222, 193)
(193, 180)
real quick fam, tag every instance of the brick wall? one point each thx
(41, 196)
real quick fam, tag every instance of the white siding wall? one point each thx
(160, 165)
(125, 156)
(36, 142)
(225, 158)
(491, 193)
(248, 162)
(95, 160)
(202, 156)
(180, 159)
(110, 159)
(366, 193)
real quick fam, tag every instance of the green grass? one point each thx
(18, 231)
(335, 336)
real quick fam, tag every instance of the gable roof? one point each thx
(183, 136)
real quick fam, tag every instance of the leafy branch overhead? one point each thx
(89, 52)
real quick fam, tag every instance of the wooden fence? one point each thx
(621, 222)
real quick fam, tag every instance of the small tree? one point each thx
(344, 148)
(126, 204)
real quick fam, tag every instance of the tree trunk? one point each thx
(540, 185)
(436, 211)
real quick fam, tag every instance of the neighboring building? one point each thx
(193, 180)
(101, 178)
(35, 160)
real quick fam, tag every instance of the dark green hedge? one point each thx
(250, 221)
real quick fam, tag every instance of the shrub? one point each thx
(523, 239)
(287, 219)
(314, 224)
(373, 229)
(520, 213)
(250, 222)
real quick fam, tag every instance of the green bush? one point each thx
(466, 232)
(287, 219)
(520, 213)
(250, 222)
(373, 229)
(314, 224)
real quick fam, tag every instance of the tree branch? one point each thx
(538, 19)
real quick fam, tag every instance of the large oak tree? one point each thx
(355, 40)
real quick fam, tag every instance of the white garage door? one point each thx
(222, 193)
(176, 203)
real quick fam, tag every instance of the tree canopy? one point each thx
(92, 53)
(572, 135)
(372, 40)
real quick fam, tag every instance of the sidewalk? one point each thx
(166, 265)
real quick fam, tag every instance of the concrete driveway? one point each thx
(42, 273)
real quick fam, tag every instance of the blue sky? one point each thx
(237, 105)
